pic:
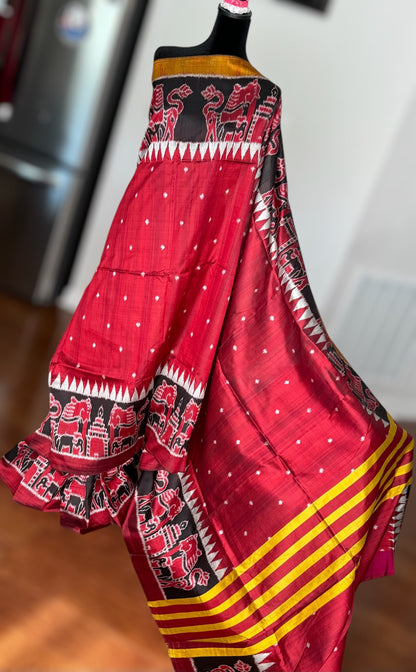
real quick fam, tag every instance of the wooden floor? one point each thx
(73, 604)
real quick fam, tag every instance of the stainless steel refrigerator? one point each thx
(64, 80)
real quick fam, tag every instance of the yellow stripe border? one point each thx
(292, 525)
(388, 490)
(216, 65)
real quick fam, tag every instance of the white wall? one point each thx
(347, 79)
(373, 313)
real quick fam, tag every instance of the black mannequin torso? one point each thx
(229, 37)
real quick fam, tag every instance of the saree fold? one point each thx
(197, 401)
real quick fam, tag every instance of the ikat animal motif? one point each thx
(237, 113)
(105, 425)
(171, 541)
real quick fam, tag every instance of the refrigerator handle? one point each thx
(30, 172)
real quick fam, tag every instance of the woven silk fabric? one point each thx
(197, 400)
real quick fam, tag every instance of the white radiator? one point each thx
(375, 328)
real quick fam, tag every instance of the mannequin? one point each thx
(228, 37)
